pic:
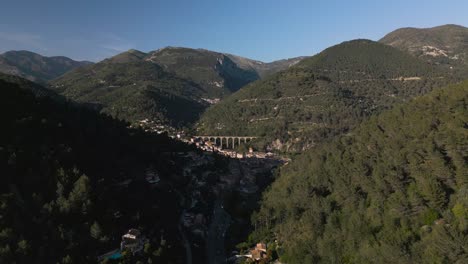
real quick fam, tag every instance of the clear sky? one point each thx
(259, 29)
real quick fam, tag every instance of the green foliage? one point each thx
(167, 85)
(323, 96)
(60, 169)
(133, 91)
(35, 67)
(394, 190)
(429, 216)
(95, 230)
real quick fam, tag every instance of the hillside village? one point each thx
(206, 187)
(326, 151)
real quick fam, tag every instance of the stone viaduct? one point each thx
(228, 141)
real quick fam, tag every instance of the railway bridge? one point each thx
(228, 141)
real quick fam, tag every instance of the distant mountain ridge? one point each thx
(213, 71)
(220, 74)
(265, 69)
(133, 91)
(172, 85)
(36, 67)
(445, 45)
(36, 89)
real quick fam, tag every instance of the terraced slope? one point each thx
(323, 96)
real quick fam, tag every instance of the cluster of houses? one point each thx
(215, 100)
(152, 126)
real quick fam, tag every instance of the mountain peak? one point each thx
(445, 45)
(127, 56)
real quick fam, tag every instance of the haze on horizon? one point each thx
(262, 30)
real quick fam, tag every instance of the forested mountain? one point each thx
(443, 45)
(394, 190)
(72, 182)
(170, 85)
(35, 67)
(264, 69)
(214, 70)
(323, 96)
(37, 89)
(130, 89)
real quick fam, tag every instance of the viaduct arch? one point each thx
(228, 141)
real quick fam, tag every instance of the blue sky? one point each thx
(266, 30)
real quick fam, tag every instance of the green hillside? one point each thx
(133, 90)
(35, 67)
(446, 45)
(394, 190)
(323, 96)
(36, 89)
(170, 85)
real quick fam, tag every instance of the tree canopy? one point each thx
(393, 190)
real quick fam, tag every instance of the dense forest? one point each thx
(133, 90)
(172, 85)
(324, 95)
(36, 67)
(393, 190)
(72, 182)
